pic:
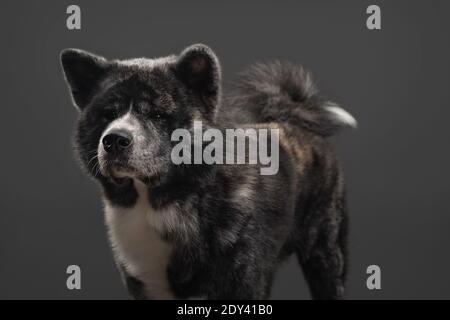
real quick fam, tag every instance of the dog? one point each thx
(213, 231)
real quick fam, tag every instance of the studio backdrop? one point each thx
(385, 62)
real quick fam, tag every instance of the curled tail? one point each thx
(284, 92)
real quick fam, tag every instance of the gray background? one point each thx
(395, 81)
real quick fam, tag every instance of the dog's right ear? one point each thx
(83, 72)
(198, 67)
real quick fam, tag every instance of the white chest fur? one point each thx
(136, 244)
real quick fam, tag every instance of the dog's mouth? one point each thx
(117, 170)
(120, 170)
(120, 173)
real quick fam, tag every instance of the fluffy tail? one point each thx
(283, 92)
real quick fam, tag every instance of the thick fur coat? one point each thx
(210, 231)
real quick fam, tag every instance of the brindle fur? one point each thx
(234, 226)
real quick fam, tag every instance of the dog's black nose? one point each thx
(117, 141)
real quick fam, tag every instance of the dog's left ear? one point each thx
(199, 68)
(83, 72)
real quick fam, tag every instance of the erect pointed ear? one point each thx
(198, 67)
(83, 72)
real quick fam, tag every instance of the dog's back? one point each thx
(283, 96)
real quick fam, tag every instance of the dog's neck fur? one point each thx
(135, 234)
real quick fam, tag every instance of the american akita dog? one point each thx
(209, 230)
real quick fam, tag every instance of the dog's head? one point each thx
(129, 108)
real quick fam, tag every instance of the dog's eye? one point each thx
(109, 113)
(154, 114)
(150, 110)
